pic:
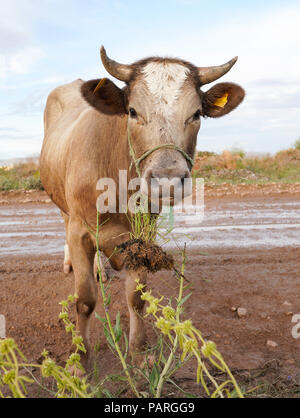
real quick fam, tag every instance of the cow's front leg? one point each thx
(67, 257)
(137, 334)
(67, 260)
(82, 253)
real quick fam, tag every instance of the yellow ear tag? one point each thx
(99, 85)
(221, 102)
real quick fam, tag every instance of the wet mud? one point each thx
(244, 253)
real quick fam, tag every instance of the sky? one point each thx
(45, 43)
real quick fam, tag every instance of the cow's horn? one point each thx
(120, 71)
(210, 74)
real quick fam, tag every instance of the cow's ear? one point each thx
(104, 96)
(222, 99)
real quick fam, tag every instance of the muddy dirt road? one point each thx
(244, 254)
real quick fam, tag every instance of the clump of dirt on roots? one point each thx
(139, 254)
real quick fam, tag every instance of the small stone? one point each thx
(272, 344)
(286, 303)
(234, 309)
(289, 313)
(242, 312)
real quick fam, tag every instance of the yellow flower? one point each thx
(168, 312)
(73, 359)
(183, 327)
(153, 305)
(63, 315)
(208, 349)
(70, 327)
(187, 327)
(147, 297)
(9, 377)
(45, 353)
(6, 345)
(188, 347)
(163, 325)
(72, 298)
(140, 287)
(47, 367)
(151, 309)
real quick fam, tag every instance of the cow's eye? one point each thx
(197, 115)
(132, 113)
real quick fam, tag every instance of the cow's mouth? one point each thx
(167, 191)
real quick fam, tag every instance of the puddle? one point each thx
(40, 230)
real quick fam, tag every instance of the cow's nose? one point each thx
(168, 182)
(169, 174)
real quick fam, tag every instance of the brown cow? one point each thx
(86, 140)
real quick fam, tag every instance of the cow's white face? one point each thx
(164, 108)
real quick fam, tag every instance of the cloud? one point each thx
(25, 147)
(42, 48)
(23, 61)
(19, 50)
(32, 104)
(20, 143)
(12, 39)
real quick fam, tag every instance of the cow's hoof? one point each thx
(67, 268)
(96, 271)
(67, 260)
(103, 275)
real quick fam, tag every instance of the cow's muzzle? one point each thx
(167, 185)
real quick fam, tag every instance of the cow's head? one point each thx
(164, 104)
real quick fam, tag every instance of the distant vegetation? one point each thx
(236, 167)
(233, 167)
(24, 175)
(297, 144)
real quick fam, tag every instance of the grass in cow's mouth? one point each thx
(144, 226)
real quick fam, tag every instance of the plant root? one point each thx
(148, 255)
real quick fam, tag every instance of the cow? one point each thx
(86, 128)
